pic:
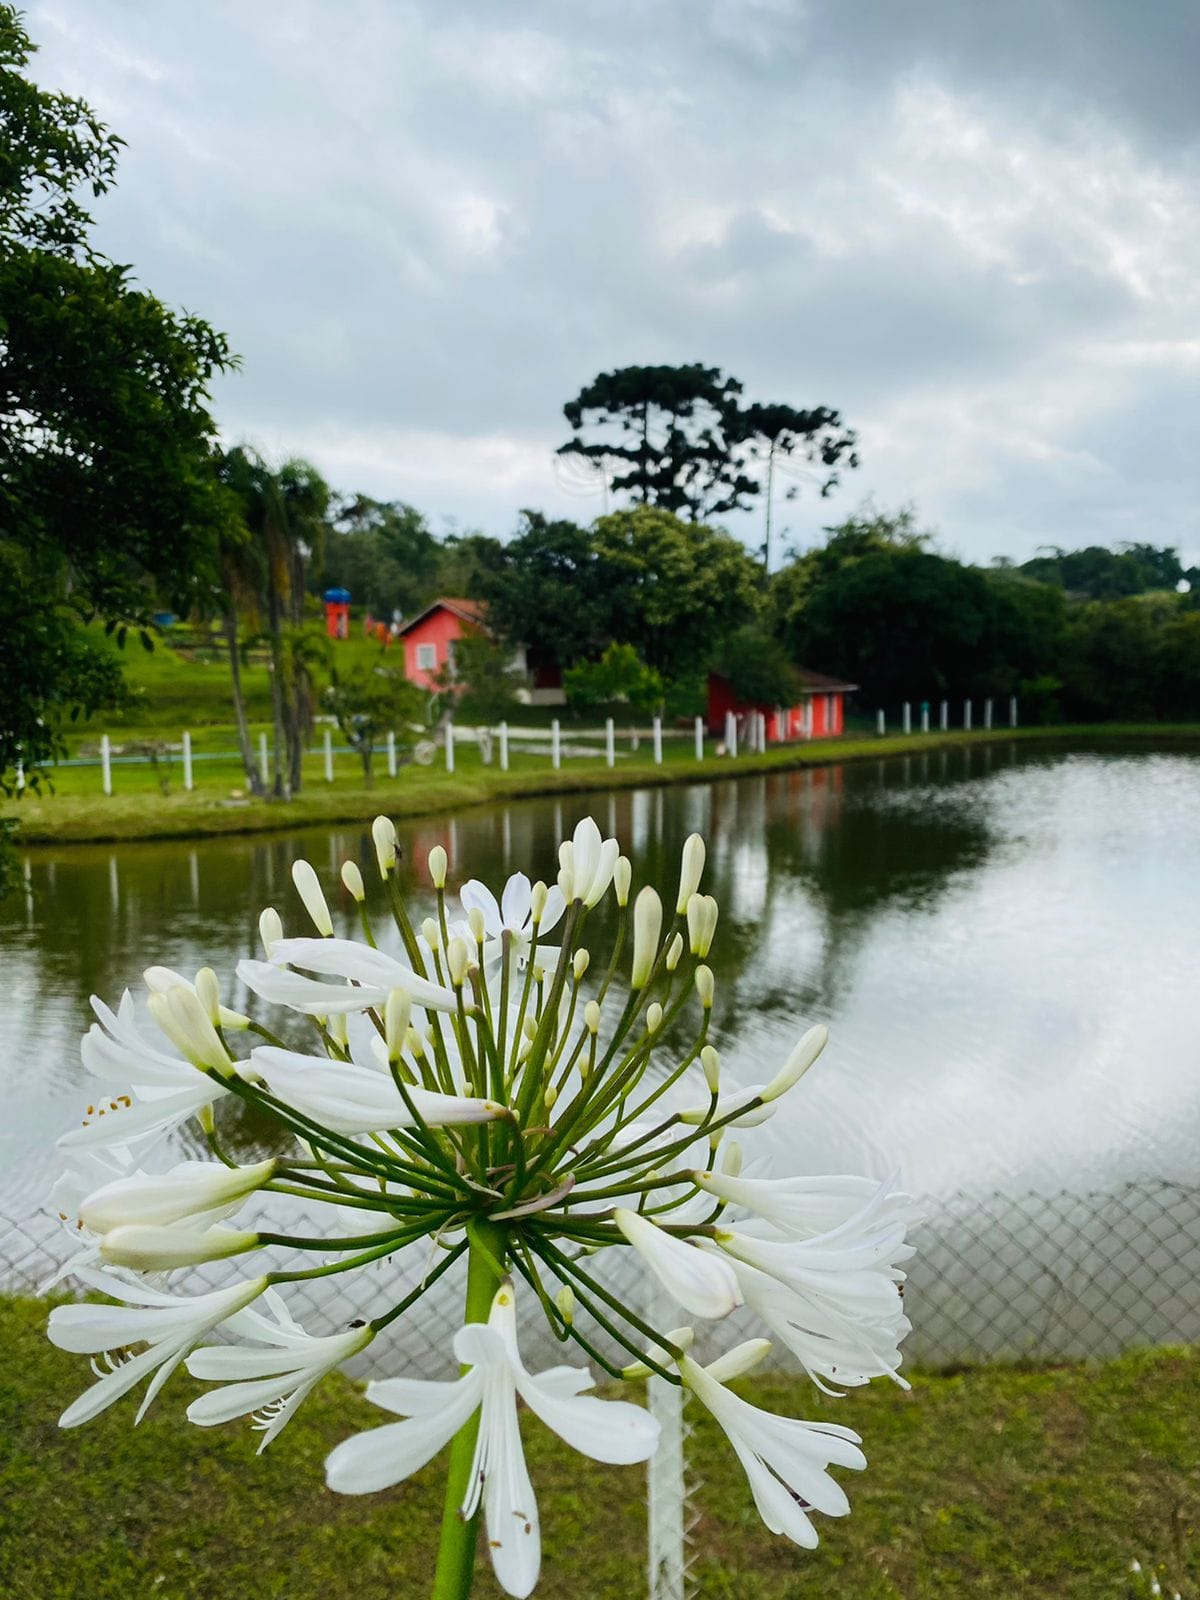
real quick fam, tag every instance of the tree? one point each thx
(547, 584)
(480, 684)
(620, 675)
(867, 533)
(1097, 573)
(758, 668)
(108, 498)
(368, 703)
(384, 552)
(674, 589)
(679, 438)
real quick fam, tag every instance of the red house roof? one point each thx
(472, 611)
(818, 683)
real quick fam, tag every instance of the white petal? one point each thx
(553, 910)
(350, 1099)
(383, 1456)
(683, 1270)
(606, 1430)
(510, 1509)
(344, 958)
(515, 901)
(122, 1124)
(476, 896)
(309, 995)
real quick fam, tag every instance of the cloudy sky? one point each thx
(974, 228)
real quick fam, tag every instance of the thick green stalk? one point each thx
(456, 1552)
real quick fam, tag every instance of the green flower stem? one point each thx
(456, 1552)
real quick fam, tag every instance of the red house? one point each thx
(429, 641)
(819, 714)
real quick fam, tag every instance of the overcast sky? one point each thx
(972, 227)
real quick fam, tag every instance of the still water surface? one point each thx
(1003, 942)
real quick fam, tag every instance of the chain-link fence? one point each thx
(1038, 1276)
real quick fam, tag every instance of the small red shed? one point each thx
(430, 637)
(819, 714)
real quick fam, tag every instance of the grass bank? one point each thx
(993, 1484)
(78, 813)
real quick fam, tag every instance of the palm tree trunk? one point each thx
(254, 779)
(281, 788)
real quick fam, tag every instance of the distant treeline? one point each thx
(1088, 634)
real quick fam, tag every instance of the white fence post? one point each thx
(555, 745)
(924, 716)
(449, 747)
(906, 717)
(987, 713)
(666, 1494)
(944, 716)
(699, 738)
(732, 739)
(1012, 710)
(967, 716)
(187, 760)
(610, 747)
(880, 723)
(328, 755)
(264, 768)
(106, 763)
(504, 747)
(658, 741)
(391, 753)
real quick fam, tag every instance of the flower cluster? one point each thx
(494, 1091)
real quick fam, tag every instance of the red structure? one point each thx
(430, 637)
(820, 713)
(337, 613)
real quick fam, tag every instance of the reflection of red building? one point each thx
(430, 637)
(820, 713)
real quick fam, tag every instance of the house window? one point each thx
(426, 657)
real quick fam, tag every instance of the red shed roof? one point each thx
(472, 611)
(818, 683)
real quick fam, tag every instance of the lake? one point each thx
(1001, 939)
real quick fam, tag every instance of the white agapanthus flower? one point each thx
(502, 1093)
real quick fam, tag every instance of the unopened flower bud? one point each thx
(654, 1016)
(710, 1060)
(681, 1338)
(566, 884)
(549, 1096)
(397, 1014)
(580, 963)
(743, 1358)
(159, 1249)
(338, 1027)
(458, 959)
(415, 1044)
(352, 878)
(309, 888)
(537, 902)
(529, 1026)
(622, 878)
(186, 1023)
(705, 986)
(208, 992)
(674, 951)
(565, 1301)
(437, 867)
(524, 1049)
(431, 934)
(157, 1200)
(702, 912)
(797, 1064)
(270, 929)
(690, 868)
(591, 1017)
(647, 925)
(477, 924)
(383, 835)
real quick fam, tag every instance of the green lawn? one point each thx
(990, 1484)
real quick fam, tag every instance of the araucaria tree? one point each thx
(108, 499)
(680, 438)
(482, 1083)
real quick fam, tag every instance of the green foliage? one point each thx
(758, 668)
(1095, 573)
(547, 584)
(480, 684)
(384, 552)
(680, 438)
(674, 589)
(620, 675)
(108, 498)
(1003, 1483)
(367, 703)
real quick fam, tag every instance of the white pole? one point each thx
(391, 753)
(666, 1481)
(906, 717)
(944, 715)
(106, 763)
(263, 768)
(328, 755)
(924, 716)
(658, 741)
(610, 749)
(449, 747)
(187, 760)
(1012, 710)
(967, 715)
(732, 734)
(555, 745)
(880, 723)
(504, 750)
(780, 731)
(699, 738)
(987, 713)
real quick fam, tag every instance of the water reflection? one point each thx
(1002, 940)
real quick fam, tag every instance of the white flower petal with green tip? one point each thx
(684, 1271)
(351, 1099)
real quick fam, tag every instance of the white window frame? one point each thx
(427, 658)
